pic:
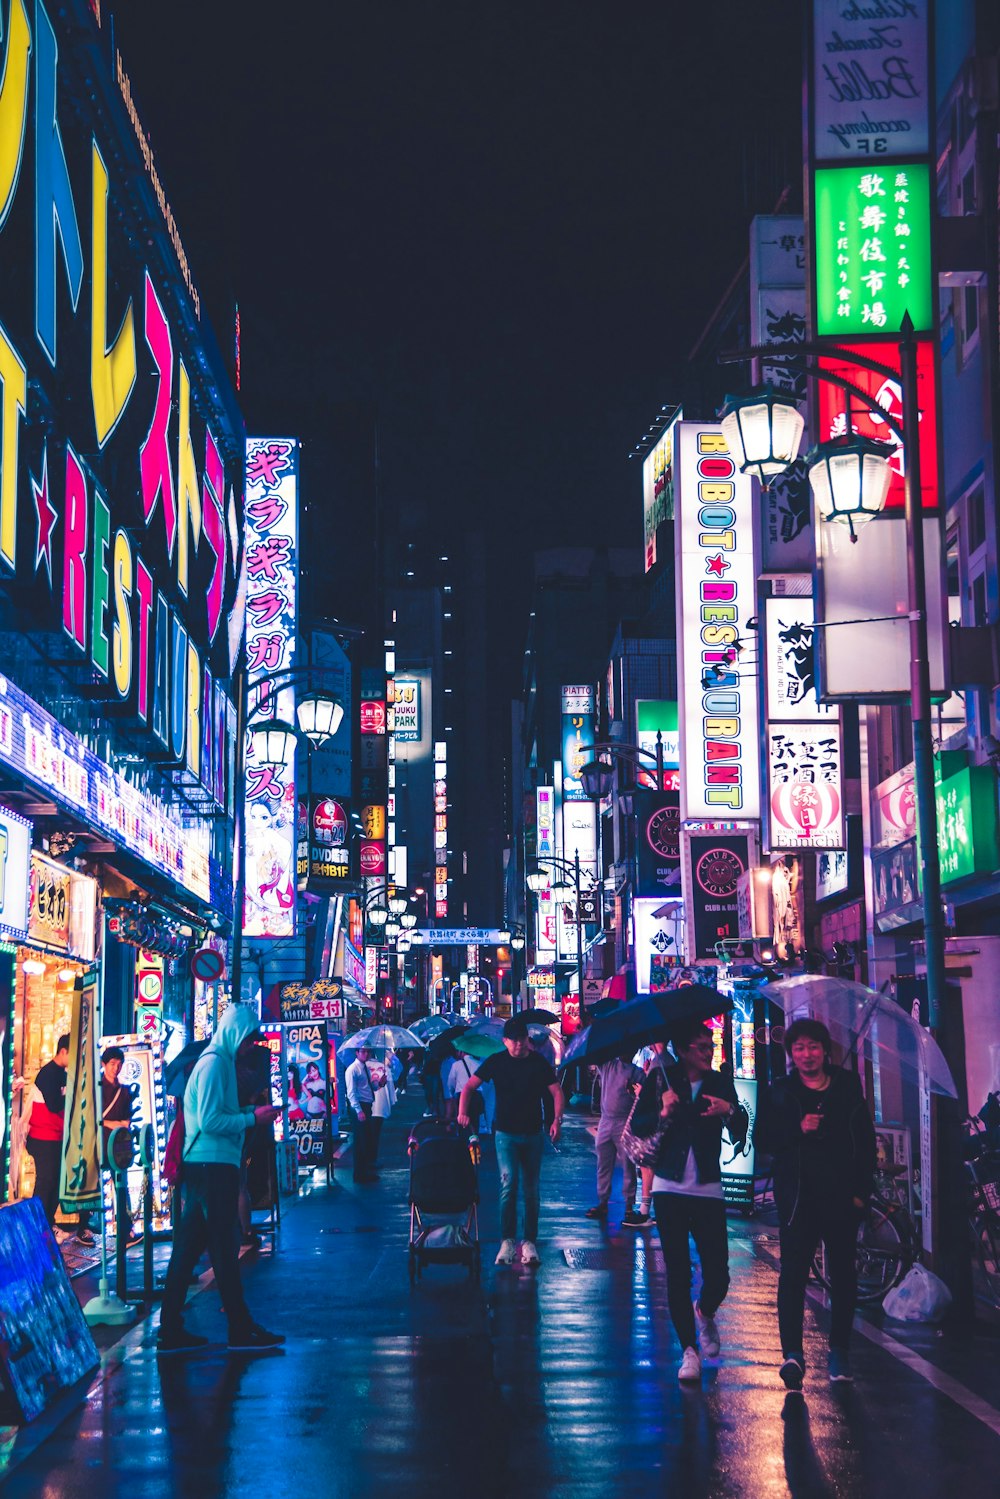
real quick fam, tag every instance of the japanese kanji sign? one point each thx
(80, 1184)
(805, 777)
(967, 823)
(873, 249)
(790, 634)
(271, 567)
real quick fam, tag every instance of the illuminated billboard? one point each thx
(578, 714)
(870, 95)
(716, 598)
(657, 491)
(272, 509)
(872, 249)
(656, 716)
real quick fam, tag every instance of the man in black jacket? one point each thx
(696, 1104)
(816, 1125)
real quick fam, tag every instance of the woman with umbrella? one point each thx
(695, 1104)
(816, 1124)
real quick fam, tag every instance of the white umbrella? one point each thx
(383, 1038)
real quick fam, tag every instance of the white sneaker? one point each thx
(708, 1333)
(507, 1254)
(529, 1254)
(690, 1368)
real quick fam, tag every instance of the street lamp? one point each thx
(272, 741)
(504, 936)
(397, 902)
(517, 939)
(319, 714)
(538, 878)
(408, 920)
(850, 482)
(765, 428)
(392, 930)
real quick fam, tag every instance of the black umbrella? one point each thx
(652, 1018)
(179, 1070)
(538, 1017)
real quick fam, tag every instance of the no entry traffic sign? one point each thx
(207, 965)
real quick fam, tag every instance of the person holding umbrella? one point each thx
(816, 1125)
(695, 1104)
(620, 1079)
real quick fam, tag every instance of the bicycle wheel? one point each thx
(881, 1257)
(986, 1235)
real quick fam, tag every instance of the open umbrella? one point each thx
(652, 1018)
(177, 1074)
(383, 1038)
(537, 1016)
(480, 1046)
(861, 1020)
(434, 1025)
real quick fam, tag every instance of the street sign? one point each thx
(207, 965)
(463, 936)
(587, 909)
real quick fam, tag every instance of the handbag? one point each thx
(643, 1132)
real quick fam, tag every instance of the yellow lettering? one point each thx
(722, 728)
(14, 380)
(724, 540)
(112, 369)
(711, 442)
(718, 612)
(724, 796)
(716, 493)
(719, 634)
(188, 495)
(13, 104)
(194, 711)
(121, 632)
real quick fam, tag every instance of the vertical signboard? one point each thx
(440, 828)
(578, 704)
(407, 710)
(272, 470)
(80, 1181)
(870, 94)
(658, 833)
(715, 602)
(657, 491)
(545, 847)
(713, 866)
(657, 716)
(307, 1073)
(15, 874)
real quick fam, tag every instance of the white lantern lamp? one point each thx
(537, 879)
(273, 742)
(319, 716)
(763, 431)
(850, 478)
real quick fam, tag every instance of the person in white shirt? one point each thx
(361, 1097)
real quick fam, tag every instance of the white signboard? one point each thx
(545, 847)
(869, 80)
(715, 602)
(805, 779)
(657, 491)
(15, 874)
(831, 873)
(657, 940)
(790, 639)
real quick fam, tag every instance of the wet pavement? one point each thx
(560, 1381)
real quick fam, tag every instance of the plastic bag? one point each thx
(921, 1296)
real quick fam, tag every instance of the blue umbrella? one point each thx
(652, 1018)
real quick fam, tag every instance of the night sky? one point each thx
(504, 223)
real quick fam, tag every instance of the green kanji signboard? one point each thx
(873, 249)
(967, 823)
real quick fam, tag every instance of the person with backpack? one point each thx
(215, 1126)
(816, 1125)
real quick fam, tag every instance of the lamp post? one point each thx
(850, 480)
(537, 879)
(319, 714)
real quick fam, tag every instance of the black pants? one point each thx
(47, 1156)
(680, 1217)
(209, 1220)
(366, 1138)
(837, 1226)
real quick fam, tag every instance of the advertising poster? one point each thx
(657, 927)
(80, 1182)
(658, 837)
(323, 999)
(406, 697)
(657, 491)
(329, 832)
(713, 867)
(307, 1091)
(716, 599)
(272, 470)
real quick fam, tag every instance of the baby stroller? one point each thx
(444, 1197)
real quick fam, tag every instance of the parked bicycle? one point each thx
(982, 1169)
(888, 1243)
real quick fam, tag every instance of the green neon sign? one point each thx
(967, 823)
(872, 249)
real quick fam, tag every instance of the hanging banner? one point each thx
(716, 599)
(80, 1180)
(806, 786)
(712, 867)
(272, 479)
(870, 86)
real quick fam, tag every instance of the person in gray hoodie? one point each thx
(215, 1125)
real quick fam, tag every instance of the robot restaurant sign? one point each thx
(120, 453)
(715, 563)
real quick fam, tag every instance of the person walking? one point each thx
(382, 1104)
(44, 1142)
(816, 1125)
(215, 1128)
(694, 1105)
(462, 1068)
(620, 1080)
(361, 1097)
(522, 1079)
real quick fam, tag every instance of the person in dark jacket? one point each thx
(696, 1104)
(816, 1125)
(45, 1129)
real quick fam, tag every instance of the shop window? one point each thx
(975, 509)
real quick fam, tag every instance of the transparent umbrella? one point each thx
(383, 1038)
(863, 1021)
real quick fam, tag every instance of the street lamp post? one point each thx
(538, 878)
(830, 464)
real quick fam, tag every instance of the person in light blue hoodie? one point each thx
(215, 1125)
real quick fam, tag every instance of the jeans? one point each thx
(209, 1220)
(47, 1156)
(678, 1217)
(520, 1159)
(609, 1151)
(837, 1226)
